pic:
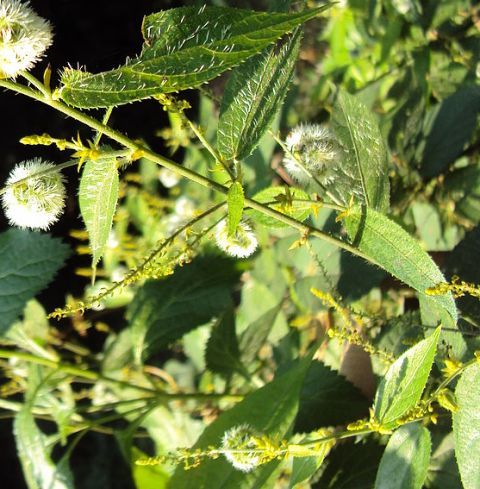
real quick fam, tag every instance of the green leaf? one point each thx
(28, 262)
(162, 311)
(253, 95)
(34, 447)
(394, 250)
(98, 195)
(466, 427)
(450, 126)
(292, 202)
(235, 202)
(304, 467)
(184, 47)
(363, 171)
(405, 461)
(34, 452)
(443, 469)
(328, 399)
(256, 333)
(270, 410)
(351, 466)
(148, 476)
(463, 187)
(403, 384)
(222, 354)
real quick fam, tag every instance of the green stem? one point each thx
(86, 374)
(36, 83)
(181, 170)
(207, 145)
(105, 120)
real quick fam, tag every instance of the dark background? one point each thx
(98, 35)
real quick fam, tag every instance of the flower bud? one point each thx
(34, 202)
(24, 37)
(315, 146)
(239, 446)
(242, 244)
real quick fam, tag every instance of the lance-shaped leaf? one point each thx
(362, 170)
(253, 95)
(466, 427)
(392, 248)
(269, 410)
(98, 194)
(403, 384)
(235, 202)
(404, 463)
(28, 262)
(183, 48)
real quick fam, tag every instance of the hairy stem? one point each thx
(171, 165)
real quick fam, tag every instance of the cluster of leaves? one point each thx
(208, 343)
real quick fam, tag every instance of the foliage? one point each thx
(334, 156)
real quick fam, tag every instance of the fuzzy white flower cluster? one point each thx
(31, 201)
(315, 146)
(238, 447)
(242, 244)
(24, 37)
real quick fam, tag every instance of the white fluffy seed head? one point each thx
(242, 244)
(316, 148)
(238, 447)
(35, 202)
(24, 37)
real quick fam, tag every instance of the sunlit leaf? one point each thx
(98, 194)
(466, 427)
(253, 95)
(184, 47)
(403, 384)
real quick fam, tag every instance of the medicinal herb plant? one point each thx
(290, 298)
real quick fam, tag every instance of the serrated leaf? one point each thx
(28, 262)
(98, 195)
(393, 249)
(253, 95)
(269, 410)
(222, 354)
(362, 171)
(162, 311)
(466, 426)
(184, 47)
(404, 463)
(328, 399)
(403, 384)
(235, 202)
(294, 204)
